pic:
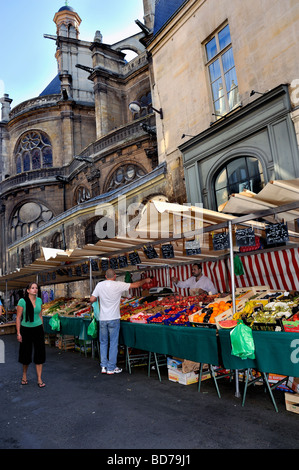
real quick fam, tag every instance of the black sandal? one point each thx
(24, 382)
(41, 385)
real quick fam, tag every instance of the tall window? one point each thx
(237, 175)
(57, 241)
(34, 151)
(35, 252)
(222, 72)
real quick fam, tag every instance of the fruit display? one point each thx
(170, 310)
(70, 307)
(268, 313)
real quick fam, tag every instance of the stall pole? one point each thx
(90, 276)
(232, 276)
(6, 301)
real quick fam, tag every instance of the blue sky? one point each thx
(27, 59)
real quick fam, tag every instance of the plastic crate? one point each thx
(256, 326)
(200, 324)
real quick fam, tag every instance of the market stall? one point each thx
(149, 256)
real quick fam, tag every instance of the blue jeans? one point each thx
(109, 333)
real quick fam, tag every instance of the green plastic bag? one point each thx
(92, 329)
(242, 341)
(55, 322)
(238, 266)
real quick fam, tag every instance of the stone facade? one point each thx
(264, 39)
(76, 146)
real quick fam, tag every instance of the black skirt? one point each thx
(33, 339)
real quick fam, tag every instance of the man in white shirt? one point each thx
(109, 293)
(198, 281)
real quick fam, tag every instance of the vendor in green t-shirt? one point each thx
(30, 333)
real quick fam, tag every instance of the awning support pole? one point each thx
(232, 276)
(90, 276)
(6, 301)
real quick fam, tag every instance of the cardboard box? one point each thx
(274, 378)
(293, 384)
(175, 375)
(174, 363)
(292, 402)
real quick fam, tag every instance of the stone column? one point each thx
(6, 102)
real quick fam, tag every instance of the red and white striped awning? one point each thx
(276, 269)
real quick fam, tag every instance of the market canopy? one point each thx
(166, 235)
(274, 195)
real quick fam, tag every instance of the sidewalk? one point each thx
(81, 409)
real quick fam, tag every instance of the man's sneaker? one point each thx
(117, 370)
(104, 370)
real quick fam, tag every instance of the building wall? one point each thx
(264, 41)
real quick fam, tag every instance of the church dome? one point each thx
(65, 7)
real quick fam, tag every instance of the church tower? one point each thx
(70, 52)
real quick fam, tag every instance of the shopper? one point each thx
(30, 333)
(197, 281)
(109, 293)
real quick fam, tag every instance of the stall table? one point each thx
(72, 326)
(275, 352)
(196, 344)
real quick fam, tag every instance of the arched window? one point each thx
(57, 241)
(35, 252)
(82, 194)
(123, 175)
(90, 233)
(27, 218)
(34, 151)
(145, 101)
(237, 175)
(99, 229)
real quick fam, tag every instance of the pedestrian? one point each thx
(197, 281)
(109, 293)
(30, 333)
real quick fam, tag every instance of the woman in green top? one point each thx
(30, 332)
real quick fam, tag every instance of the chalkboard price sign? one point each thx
(245, 237)
(277, 233)
(104, 264)
(134, 258)
(220, 241)
(192, 248)
(167, 251)
(113, 263)
(150, 252)
(122, 261)
(94, 265)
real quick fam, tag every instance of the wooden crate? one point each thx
(292, 402)
(8, 329)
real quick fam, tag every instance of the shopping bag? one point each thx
(55, 322)
(242, 341)
(92, 329)
(96, 310)
(238, 266)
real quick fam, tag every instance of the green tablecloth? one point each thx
(195, 344)
(69, 326)
(275, 352)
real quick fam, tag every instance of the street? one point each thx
(81, 409)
